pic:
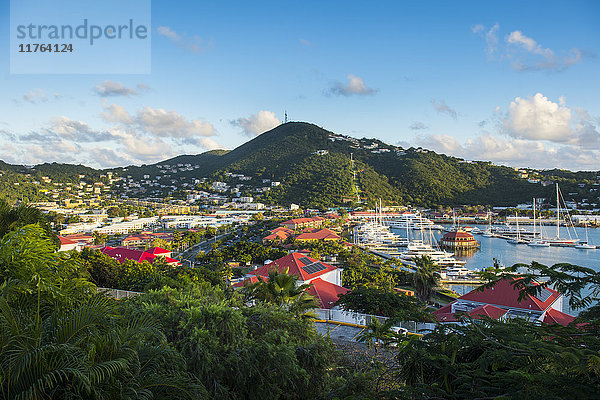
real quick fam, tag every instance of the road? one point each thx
(191, 253)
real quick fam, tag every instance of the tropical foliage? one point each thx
(283, 290)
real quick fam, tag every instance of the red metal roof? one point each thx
(327, 293)
(504, 294)
(457, 234)
(445, 314)
(157, 251)
(557, 317)
(64, 241)
(487, 310)
(292, 263)
(320, 234)
(121, 254)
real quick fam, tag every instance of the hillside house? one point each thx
(326, 279)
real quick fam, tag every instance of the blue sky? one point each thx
(512, 82)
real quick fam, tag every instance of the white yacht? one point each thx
(418, 249)
(457, 272)
(409, 220)
(373, 233)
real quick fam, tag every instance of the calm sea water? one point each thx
(509, 254)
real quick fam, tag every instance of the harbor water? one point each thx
(508, 254)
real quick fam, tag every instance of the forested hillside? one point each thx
(318, 168)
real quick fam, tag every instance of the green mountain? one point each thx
(318, 168)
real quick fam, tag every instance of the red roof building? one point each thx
(326, 293)
(67, 244)
(121, 254)
(326, 279)
(81, 237)
(502, 301)
(278, 235)
(320, 234)
(459, 239)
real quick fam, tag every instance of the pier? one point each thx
(458, 281)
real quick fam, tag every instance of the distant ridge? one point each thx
(315, 169)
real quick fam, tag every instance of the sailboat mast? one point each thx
(534, 217)
(557, 214)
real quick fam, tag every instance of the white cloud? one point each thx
(170, 123)
(305, 42)
(355, 86)
(491, 37)
(528, 43)
(538, 118)
(35, 96)
(514, 152)
(257, 123)
(477, 28)
(194, 44)
(116, 113)
(158, 122)
(538, 133)
(112, 88)
(443, 108)
(417, 126)
(168, 32)
(525, 53)
(69, 129)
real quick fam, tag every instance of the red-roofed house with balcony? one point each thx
(121, 254)
(502, 301)
(326, 279)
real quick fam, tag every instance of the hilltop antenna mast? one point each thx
(286, 119)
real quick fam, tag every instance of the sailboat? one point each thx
(537, 242)
(517, 240)
(585, 245)
(558, 241)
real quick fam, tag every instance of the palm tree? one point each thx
(377, 333)
(83, 347)
(282, 289)
(12, 218)
(425, 278)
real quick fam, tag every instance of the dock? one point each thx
(462, 281)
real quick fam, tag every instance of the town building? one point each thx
(502, 302)
(459, 240)
(121, 254)
(145, 239)
(326, 279)
(314, 235)
(67, 244)
(299, 223)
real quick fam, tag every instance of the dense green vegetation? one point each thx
(196, 338)
(61, 340)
